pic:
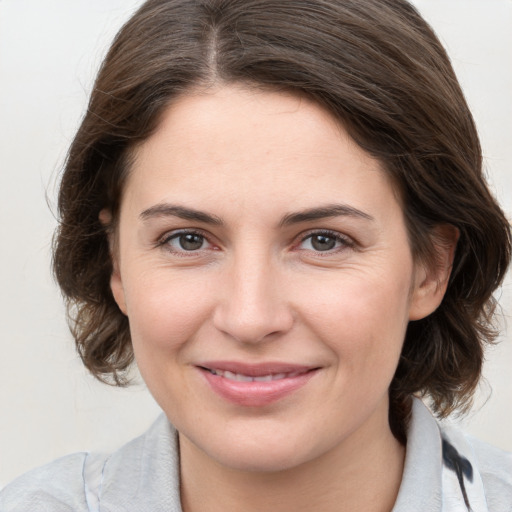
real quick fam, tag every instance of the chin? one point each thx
(262, 448)
(262, 460)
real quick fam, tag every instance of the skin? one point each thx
(256, 288)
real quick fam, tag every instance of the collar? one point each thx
(440, 471)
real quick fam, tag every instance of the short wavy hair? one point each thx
(376, 66)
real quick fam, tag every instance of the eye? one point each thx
(185, 241)
(324, 241)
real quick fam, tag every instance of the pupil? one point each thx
(191, 242)
(323, 243)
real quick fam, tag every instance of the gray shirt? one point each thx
(445, 471)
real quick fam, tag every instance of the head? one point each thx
(377, 69)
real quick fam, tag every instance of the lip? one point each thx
(285, 378)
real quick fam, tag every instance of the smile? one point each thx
(255, 385)
(239, 377)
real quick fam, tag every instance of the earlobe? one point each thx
(431, 280)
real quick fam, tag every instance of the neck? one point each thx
(361, 474)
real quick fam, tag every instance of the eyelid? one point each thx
(347, 241)
(163, 240)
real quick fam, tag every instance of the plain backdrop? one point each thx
(49, 53)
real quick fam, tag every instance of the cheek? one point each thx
(164, 314)
(363, 317)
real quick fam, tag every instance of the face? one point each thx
(263, 262)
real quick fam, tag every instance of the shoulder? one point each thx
(141, 475)
(144, 474)
(446, 469)
(495, 468)
(491, 468)
(55, 487)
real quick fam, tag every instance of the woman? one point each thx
(278, 208)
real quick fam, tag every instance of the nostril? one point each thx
(254, 326)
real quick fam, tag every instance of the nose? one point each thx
(253, 306)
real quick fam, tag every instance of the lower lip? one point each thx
(256, 394)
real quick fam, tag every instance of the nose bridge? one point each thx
(254, 304)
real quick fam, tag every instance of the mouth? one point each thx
(255, 385)
(240, 377)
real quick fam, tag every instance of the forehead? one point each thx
(253, 145)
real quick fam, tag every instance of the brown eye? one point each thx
(323, 242)
(190, 241)
(185, 241)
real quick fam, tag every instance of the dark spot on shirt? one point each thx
(454, 461)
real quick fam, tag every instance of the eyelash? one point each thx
(163, 242)
(343, 241)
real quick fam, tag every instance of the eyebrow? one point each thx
(324, 212)
(308, 215)
(169, 210)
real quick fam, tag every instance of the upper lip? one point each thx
(256, 370)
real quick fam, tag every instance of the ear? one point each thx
(431, 279)
(105, 217)
(116, 284)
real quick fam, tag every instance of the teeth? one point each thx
(239, 377)
(246, 378)
(263, 378)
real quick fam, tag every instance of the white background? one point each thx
(49, 53)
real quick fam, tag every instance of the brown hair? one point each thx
(374, 64)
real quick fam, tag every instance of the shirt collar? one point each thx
(421, 487)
